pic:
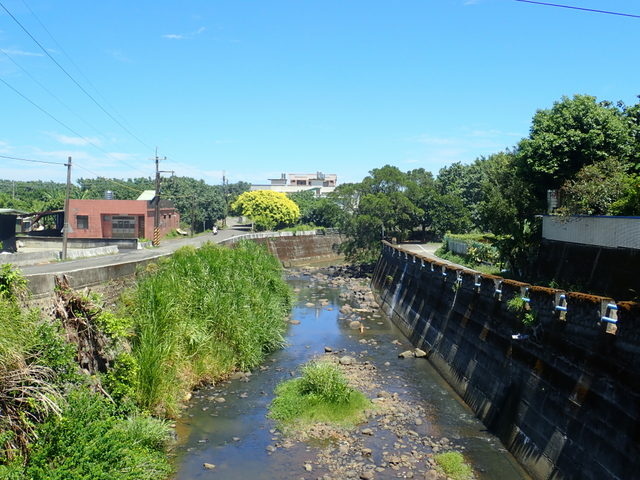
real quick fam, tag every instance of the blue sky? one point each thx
(256, 88)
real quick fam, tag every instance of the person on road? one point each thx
(214, 230)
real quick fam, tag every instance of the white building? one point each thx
(299, 182)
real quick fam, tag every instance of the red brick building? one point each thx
(119, 218)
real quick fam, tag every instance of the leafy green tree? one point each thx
(508, 211)
(306, 201)
(595, 188)
(267, 209)
(449, 215)
(130, 189)
(574, 133)
(387, 179)
(326, 213)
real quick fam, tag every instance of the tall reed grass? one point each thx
(202, 313)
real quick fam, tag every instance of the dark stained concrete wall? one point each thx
(607, 271)
(565, 400)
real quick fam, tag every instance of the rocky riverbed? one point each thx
(393, 442)
(226, 433)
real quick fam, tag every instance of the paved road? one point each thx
(428, 250)
(166, 247)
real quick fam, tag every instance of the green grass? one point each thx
(453, 465)
(89, 441)
(320, 395)
(201, 313)
(467, 262)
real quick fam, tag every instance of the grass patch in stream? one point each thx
(321, 395)
(453, 466)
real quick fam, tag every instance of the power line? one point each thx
(89, 142)
(111, 180)
(71, 77)
(35, 80)
(64, 52)
(43, 110)
(31, 160)
(580, 8)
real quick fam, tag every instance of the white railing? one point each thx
(602, 231)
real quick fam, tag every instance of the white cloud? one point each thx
(433, 151)
(77, 141)
(119, 56)
(184, 36)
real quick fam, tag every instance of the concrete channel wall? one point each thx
(295, 248)
(289, 248)
(563, 395)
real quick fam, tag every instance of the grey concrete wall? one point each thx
(287, 247)
(56, 242)
(563, 396)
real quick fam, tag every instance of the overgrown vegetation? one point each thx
(200, 314)
(321, 394)
(77, 390)
(452, 464)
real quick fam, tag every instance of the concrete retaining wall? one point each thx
(34, 258)
(55, 243)
(563, 396)
(287, 247)
(294, 248)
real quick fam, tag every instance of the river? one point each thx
(226, 425)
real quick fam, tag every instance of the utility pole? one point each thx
(193, 215)
(226, 200)
(65, 228)
(156, 216)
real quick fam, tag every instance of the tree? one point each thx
(306, 201)
(572, 134)
(267, 209)
(595, 188)
(508, 211)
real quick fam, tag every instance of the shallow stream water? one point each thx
(236, 436)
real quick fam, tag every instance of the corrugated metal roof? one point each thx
(11, 211)
(147, 195)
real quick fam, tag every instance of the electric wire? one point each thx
(31, 160)
(580, 8)
(64, 52)
(111, 180)
(72, 78)
(36, 81)
(88, 141)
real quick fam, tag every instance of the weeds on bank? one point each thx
(321, 394)
(205, 313)
(522, 311)
(201, 313)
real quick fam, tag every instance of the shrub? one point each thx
(89, 442)
(12, 283)
(520, 309)
(326, 382)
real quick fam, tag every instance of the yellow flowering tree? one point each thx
(267, 209)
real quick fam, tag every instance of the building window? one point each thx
(82, 222)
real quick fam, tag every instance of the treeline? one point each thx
(199, 204)
(586, 151)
